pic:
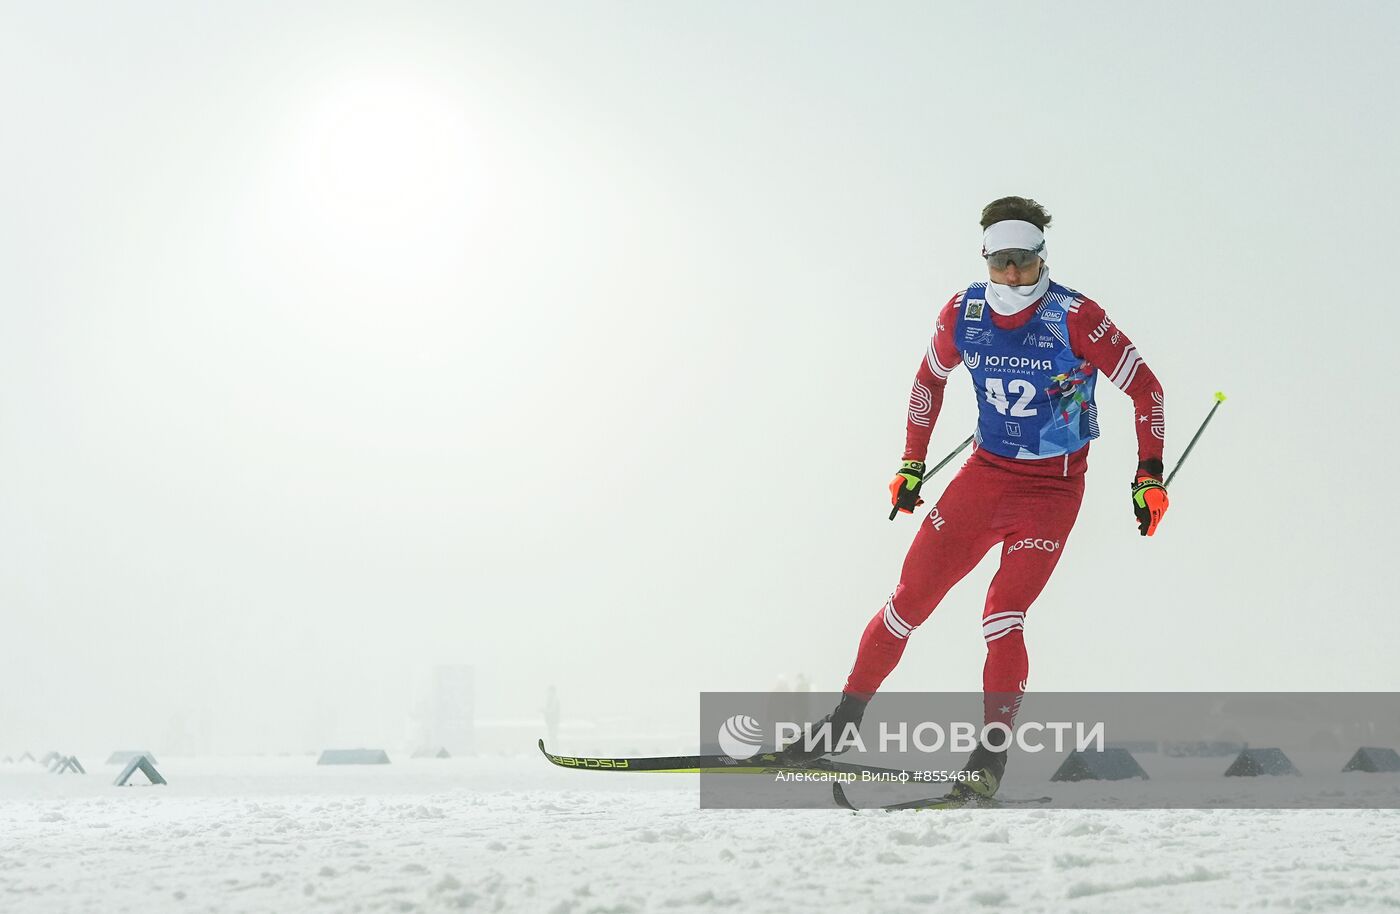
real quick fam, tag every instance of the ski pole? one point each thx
(1219, 398)
(941, 464)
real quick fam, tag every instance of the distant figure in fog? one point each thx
(551, 716)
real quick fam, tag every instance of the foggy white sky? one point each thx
(350, 339)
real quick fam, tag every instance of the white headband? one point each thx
(1013, 234)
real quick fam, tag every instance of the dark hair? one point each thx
(1022, 208)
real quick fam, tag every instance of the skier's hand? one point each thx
(1149, 502)
(904, 488)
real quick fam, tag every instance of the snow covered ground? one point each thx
(513, 834)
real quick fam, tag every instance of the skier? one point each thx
(1034, 349)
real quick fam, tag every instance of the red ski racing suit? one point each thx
(1021, 502)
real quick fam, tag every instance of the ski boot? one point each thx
(990, 766)
(850, 710)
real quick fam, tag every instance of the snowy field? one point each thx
(513, 834)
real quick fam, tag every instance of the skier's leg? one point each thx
(951, 540)
(1038, 517)
(1045, 512)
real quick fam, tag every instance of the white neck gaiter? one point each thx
(1009, 300)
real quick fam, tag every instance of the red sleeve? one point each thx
(1104, 345)
(926, 397)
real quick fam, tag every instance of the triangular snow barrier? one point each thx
(144, 765)
(122, 756)
(353, 757)
(26, 757)
(49, 758)
(72, 764)
(433, 752)
(1254, 762)
(1370, 758)
(1108, 765)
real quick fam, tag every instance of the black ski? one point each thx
(714, 764)
(947, 801)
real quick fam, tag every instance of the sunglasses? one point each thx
(1023, 259)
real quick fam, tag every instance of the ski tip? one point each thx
(542, 748)
(1219, 396)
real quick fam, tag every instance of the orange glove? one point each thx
(904, 488)
(1149, 502)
